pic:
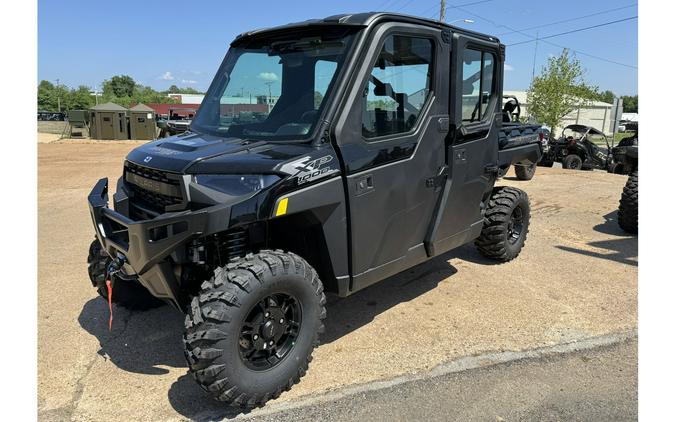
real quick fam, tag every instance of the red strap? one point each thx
(109, 285)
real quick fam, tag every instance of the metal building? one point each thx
(597, 114)
(142, 122)
(108, 121)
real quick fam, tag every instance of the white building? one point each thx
(598, 114)
(187, 98)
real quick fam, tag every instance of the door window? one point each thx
(477, 84)
(399, 86)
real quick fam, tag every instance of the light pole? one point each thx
(95, 94)
(269, 97)
(58, 94)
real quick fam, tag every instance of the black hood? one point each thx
(201, 153)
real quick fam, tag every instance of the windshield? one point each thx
(273, 88)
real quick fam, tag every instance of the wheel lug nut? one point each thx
(267, 314)
(271, 342)
(255, 337)
(281, 321)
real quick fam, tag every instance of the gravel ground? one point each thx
(575, 279)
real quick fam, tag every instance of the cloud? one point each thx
(167, 76)
(188, 81)
(268, 76)
(508, 67)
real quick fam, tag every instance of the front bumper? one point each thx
(147, 245)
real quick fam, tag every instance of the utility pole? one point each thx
(534, 61)
(442, 14)
(269, 97)
(58, 94)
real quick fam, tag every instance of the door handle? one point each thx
(364, 184)
(460, 155)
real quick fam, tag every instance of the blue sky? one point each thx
(160, 43)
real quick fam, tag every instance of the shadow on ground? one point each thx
(623, 250)
(141, 342)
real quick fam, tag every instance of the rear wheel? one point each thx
(572, 162)
(628, 205)
(250, 333)
(525, 171)
(506, 222)
(127, 291)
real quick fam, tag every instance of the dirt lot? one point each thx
(576, 278)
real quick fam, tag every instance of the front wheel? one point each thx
(251, 330)
(572, 162)
(506, 222)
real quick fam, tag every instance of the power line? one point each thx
(384, 4)
(574, 30)
(449, 6)
(498, 25)
(590, 55)
(404, 5)
(569, 20)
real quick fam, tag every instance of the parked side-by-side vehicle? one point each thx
(380, 153)
(575, 149)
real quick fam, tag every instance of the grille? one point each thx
(146, 203)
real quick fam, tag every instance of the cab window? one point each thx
(399, 86)
(477, 84)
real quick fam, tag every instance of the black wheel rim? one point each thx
(270, 331)
(574, 164)
(515, 227)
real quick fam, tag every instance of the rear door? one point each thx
(391, 139)
(475, 113)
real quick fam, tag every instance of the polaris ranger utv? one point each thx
(380, 153)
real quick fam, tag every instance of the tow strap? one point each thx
(109, 286)
(113, 268)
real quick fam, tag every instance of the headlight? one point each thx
(236, 184)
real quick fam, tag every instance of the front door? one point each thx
(392, 142)
(107, 128)
(473, 151)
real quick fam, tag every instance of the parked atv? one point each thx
(380, 153)
(625, 156)
(576, 151)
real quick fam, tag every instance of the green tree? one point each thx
(606, 96)
(80, 98)
(46, 96)
(173, 89)
(558, 90)
(119, 86)
(630, 103)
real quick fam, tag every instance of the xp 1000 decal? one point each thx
(307, 170)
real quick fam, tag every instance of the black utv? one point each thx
(576, 149)
(380, 152)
